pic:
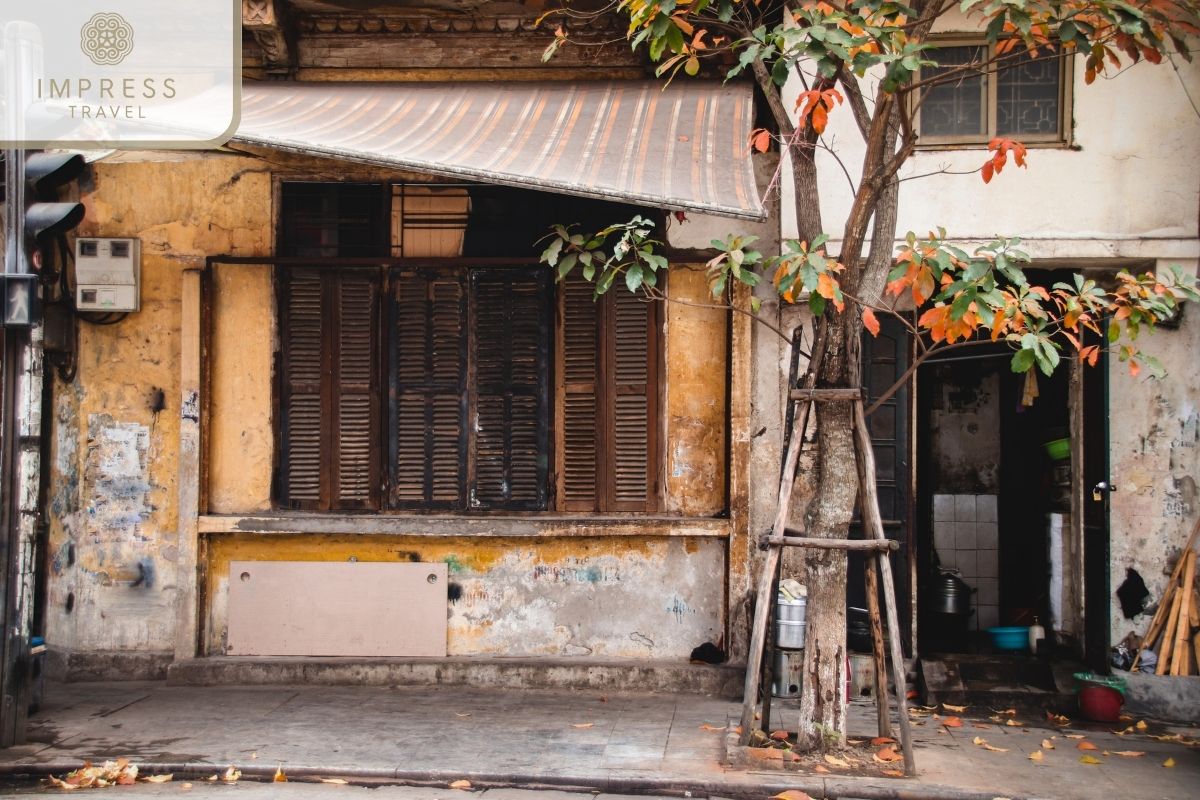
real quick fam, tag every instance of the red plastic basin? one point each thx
(1100, 703)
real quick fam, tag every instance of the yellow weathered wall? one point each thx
(629, 597)
(696, 366)
(240, 437)
(113, 513)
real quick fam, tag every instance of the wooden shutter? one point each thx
(631, 392)
(428, 357)
(578, 397)
(606, 456)
(509, 404)
(331, 399)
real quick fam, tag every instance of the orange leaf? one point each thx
(791, 794)
(279, 776)
(820, 118)
(887, 755)
(460, 784)
(869, 321)
(878, 740)
(1086, 745)
(707, 727)
(760, 139)
(952, 722)
(1134, 368)
(583, 725)
(779, 736)
(987, 172)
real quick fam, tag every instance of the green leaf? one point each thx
(566, 265)
(1022, 360)
(550, 254)
(755, 305)
(816, 303)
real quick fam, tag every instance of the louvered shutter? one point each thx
(631, 392)
(303, 356)
(428, 357)
(578, 400)
(509, 404)
(331, 375)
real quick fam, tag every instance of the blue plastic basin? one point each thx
(1014, 637)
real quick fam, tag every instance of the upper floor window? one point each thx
(1024, 98)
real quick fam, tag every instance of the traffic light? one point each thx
(45, 221)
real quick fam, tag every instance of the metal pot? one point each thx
(951, 594)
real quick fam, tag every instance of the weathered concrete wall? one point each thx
(697, 363)
(240, 439)
(114, 467)
(614, 596)
(964, 428)
(1155, 458)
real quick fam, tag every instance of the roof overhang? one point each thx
(681, 147)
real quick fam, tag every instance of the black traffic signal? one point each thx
(46, 219)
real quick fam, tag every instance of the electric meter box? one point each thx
(108, 274)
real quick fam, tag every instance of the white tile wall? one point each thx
(967, 538)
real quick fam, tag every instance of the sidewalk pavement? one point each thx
(628, 744)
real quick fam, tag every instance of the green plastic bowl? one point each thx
(1058, 449)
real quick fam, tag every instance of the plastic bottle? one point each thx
(1036, 634)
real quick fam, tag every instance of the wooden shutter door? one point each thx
(331, 389)
(428, 357)
(509, 405)
(303, 355)
(354, 389)
(578, 403)
(631, 389)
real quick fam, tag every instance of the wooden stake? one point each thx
(1196, 649)
(873, 522)
(883, 708)
(766, 579)
(1164, 652)
(1163, 605)
(1179, 662)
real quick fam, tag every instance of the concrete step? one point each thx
(613, 675)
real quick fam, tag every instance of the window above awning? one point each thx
(683, 147)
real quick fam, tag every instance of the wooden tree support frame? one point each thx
(879, 567)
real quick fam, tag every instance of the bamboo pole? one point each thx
(870, 545)
(1179, 661)
(1164, 604)
(1164, 652)
(873, 522)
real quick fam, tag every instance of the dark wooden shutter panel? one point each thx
(331, 389)
(302, 370)
(631, 375)
(578, 396)
(428, 356)
(509, 355)
(355, 389)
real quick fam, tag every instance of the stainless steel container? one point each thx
(786, 674)
(952, 595)
(791, 623)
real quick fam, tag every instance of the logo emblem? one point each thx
(106, 39)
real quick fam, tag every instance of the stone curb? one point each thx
(744, 787)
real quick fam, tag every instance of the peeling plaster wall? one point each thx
(114, 468)
(1155, 462)
(964, 428)
(620, 597)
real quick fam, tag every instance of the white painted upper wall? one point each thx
(1127, 186)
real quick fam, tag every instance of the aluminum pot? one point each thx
(951, 594)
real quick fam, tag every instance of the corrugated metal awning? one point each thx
(682, 147)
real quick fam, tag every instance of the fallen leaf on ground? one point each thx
(707, 727)
(1089, 760)
(1036, 755)
(279, 776)
(185, 786)
(158, 778)
(1086, 745)
(1141, 725)
(460, 784)
(1170, 762)
(1008, 712)
(887, 755)
(836, 762)
(583, 725)
(779, 736)
(854, 741)
(231, 775)
(461, 715)
(737, 729)
(1057, 719)
(211, 778)
(1047, 744)
(893, 773)
(61, 784)
(821, 769)
(1075, 735)
(254, 756)
(952, 722)
(602, 699)
(979, 740)
(335, 781)
(878, 740)
(949, 707)
(1012, 723)
(791, 794)
(1129, 753)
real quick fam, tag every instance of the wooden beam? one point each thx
(265, 21)
(858, 545)
(826, 395)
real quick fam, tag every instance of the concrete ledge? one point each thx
(69, 666)
(1174, 699)
(616, 675)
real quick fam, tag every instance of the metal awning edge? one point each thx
(515, 181)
